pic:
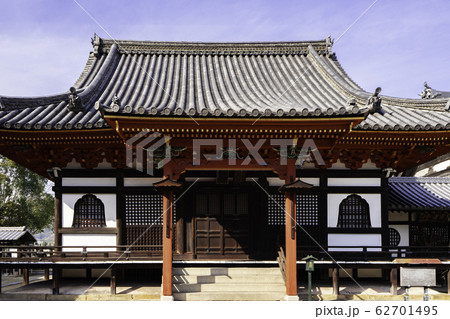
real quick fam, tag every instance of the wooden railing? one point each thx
(382, 253)
(282, 262)
(154, 252)
(79, 253)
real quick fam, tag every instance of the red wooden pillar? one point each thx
(167, 242)
(291, 236)
(167, 187)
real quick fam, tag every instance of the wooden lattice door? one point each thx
(221, 223)
(208, 228)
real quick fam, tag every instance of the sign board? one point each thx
(417, 277)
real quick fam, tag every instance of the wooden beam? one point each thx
(394, 281)
(58, 212)
(120, 208)
(88, 273)
(56, 280)
(26, 276)
(336, 281)
(46, 274)
(113, 281)
(448, 282)
(291, 235)
(180, 233)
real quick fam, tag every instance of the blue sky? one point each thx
(397, 45)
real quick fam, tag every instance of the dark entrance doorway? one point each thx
(222, 222)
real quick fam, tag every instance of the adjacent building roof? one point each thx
(419, 193)
(12, 235)
(265, 79)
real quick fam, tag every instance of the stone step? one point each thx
(208, 279)
(228, 287)
(204, 271)
(229, 296)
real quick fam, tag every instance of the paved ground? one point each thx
(80, 289)
(10, 280)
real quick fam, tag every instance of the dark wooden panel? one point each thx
(221, 222)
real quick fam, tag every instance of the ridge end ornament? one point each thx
(97, 45)
(75, 103)
(374, 103)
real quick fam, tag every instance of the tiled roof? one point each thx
(10, 234)
(409, 193)
(276, 79)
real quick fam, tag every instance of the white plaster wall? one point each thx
(140, 181)
(404, 234)
(88, 181)
(350, 240)
(368, 165)
(69, 200)
(104, 165)
(200, 179)
(73, 164)
(354, 181)
(73, 273)
(81, 273)
(275, 181)
(369, 273)
(398, 216)
(89, 240)
(374, 201)
(362, 273)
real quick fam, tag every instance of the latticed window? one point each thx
(307, 209)
(354, 213)
(89, 212)
(394, 237)
(144, 218)
(275, 209)
(146, 209)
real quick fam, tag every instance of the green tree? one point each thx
(23, 197)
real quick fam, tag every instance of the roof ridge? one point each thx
(185, 47)
(413, 179)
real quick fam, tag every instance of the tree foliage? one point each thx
(23, 197)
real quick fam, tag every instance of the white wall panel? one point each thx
(404, 234)
(354, 240)
(140, 181)
(275, 181)
(89, 240)
(361, 181)
(374, 201)
(89, 181)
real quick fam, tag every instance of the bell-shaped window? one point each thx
(89, 212)
(354, 213)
